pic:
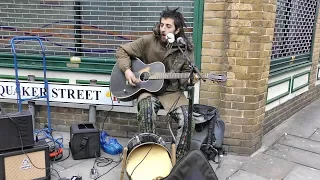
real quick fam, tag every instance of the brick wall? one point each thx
(237, 40)
(213, 50)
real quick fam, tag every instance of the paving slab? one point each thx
(229, 166)
(309, 114)
(67, 163)
(300, 143)
(83, 169)
(268, 166)
(303, 173)
(292, 127)
(292, 154)
(70, 167)
(315, 136)
(302, 129)
(302, 124)
(244, 175)
(56, 169)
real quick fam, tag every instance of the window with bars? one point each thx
(294, 27)
(86, 28)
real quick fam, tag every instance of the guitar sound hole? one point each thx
(144, 76)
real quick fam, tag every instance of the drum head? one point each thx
(148, 161)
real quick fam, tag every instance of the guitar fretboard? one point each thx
(164, 75)
(153, 76)
(169, 75)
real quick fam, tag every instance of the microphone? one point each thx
(181, 41)
(170, 37)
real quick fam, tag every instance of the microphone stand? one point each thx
(190, 86)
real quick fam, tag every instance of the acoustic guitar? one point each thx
(152, 79)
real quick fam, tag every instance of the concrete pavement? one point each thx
(291, 151)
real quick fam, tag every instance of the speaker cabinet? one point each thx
(15, 165)
(84, 141)
(9, 130)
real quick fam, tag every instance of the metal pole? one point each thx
(31, 104)
(92, 108)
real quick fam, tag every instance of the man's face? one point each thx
(167, 26)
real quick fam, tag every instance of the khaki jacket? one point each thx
(149, 49)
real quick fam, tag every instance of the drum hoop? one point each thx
(137, 138)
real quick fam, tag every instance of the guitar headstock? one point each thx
(217, 77)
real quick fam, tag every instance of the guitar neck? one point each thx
(169, 75)
(155, 76)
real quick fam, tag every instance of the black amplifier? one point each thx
(10, 133)
(84, 141)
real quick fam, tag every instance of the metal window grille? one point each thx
(293, 27)
(84, 27)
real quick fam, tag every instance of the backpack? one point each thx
(209, 131)
(192, 166)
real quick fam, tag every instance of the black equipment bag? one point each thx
(209, 131)
(84, 141)
(192, 166)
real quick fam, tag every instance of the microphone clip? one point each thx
(181, 41)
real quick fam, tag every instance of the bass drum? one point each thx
(148, 158)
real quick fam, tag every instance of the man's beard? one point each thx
(164, 38)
